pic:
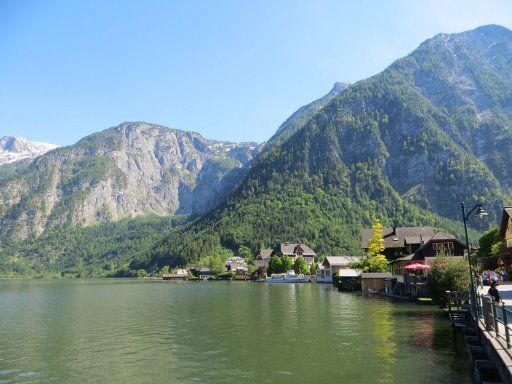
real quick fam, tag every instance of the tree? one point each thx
(245, 252)
(300, 266)
(141, 273)
(313, 268)
(486, 242)
(164, 270)
(377, 264)
(448, 274)
(375, 261)
(275, 265)
(376, 242)
(216, 264)
(287, 263)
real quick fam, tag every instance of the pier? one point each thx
(487, 333)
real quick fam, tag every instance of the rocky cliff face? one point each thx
(130, 170)
(18, 148)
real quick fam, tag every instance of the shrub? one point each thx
(164, 270)
(142, 273)
(448, 274)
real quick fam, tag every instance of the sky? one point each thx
(230, 70)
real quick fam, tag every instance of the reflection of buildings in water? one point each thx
(385, 345)
(423, 330)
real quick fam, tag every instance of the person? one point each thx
(494, 292)
(481, 281)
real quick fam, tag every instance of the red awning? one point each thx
(416, 267)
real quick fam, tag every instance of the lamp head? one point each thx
(480, 213)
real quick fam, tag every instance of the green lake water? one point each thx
(133, 331)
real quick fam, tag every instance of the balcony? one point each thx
(415, 279)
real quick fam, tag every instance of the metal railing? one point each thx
(495, 316)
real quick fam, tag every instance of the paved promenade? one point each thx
(505, 290)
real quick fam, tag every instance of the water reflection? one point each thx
(385, 346)
(119, 331)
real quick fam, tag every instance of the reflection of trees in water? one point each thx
(385, 346)
(422, 333)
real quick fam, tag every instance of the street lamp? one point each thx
(480, 213)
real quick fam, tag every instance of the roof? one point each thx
(430, 260)
(439, 236)
(506, 214)
(236, 262)
(395, 237)
(407, 258)
(413, 240)
(292, 249)
(338, 261)
(376, 275)
(265, 254)
(349, 272)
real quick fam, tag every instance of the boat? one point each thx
(288, 277)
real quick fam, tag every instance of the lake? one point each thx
(139, 331)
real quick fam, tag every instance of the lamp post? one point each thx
(465, 216)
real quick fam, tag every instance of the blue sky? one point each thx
(230, 70)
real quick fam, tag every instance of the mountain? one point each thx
(14, 149)
(406, 146)
(300, 117)
(131, 170)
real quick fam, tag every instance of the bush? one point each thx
(142, 273)
(448, 274)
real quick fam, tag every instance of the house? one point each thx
(237, 265)
(295, 250)
(377, 282)
(399, 241)
(201, 271)
(506, 234)
(261, 261)
(179, 274)
(292, 250)
(438, 244)
(336, 265)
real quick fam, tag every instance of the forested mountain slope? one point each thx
(407, 146)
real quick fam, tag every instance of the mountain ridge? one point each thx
(129, 170)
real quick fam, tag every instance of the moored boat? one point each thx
(288, 277)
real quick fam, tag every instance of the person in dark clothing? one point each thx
(494, 292)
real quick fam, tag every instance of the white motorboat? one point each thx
(288, 277)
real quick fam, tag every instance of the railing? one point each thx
(413, 279)
(495, 316)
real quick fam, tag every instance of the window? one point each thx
(447, 247)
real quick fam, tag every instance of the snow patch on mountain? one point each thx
(14, 148)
